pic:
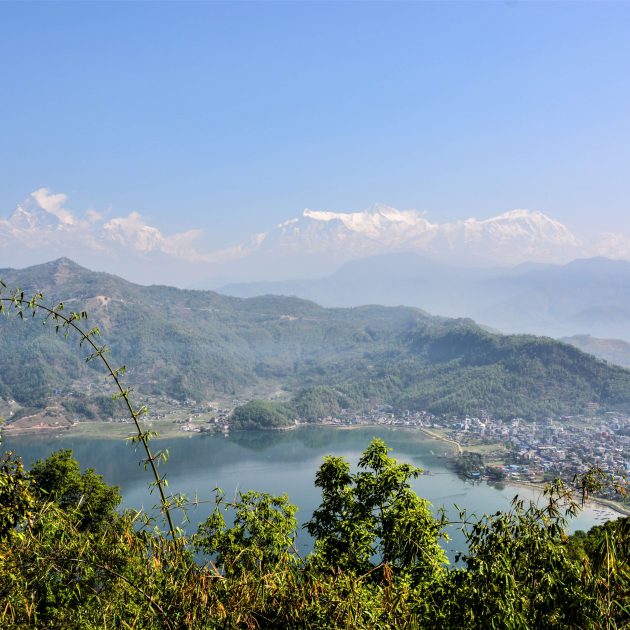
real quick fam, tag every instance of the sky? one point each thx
(229, 118)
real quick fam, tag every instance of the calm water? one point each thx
(278, 462)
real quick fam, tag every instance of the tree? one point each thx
(261, 536)
(373, 517)
(16, 495)
(604, 553)
(519, 572)
(86, 495)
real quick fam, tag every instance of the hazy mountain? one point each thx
(590, 296)
(323, 241)
(309, 245)
(202, 344)
(394, 279)
(613, 350)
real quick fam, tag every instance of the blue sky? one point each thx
(233, 117)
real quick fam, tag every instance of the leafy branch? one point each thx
(66, 323)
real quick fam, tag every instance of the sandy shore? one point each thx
(435, 436)
(605, 503)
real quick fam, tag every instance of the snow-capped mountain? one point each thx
(41, 222)
(510, 238)
(380, 228)
(23, 219)
(313, 244)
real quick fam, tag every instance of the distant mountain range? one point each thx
(310, 245)
(201, 344)
(320, 242)
(511, 238)
(590, 296)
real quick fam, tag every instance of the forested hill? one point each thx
(201, 344)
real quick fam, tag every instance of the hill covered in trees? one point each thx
(200, 345)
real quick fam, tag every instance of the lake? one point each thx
(280, 462)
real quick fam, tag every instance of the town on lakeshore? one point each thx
(518, 450)
(515, 450)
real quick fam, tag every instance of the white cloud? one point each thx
(42, 222)
(53, 203)
(132, 231)
(93, 215)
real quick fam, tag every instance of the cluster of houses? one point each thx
(525, 450)
(528, 451)
(556, 447)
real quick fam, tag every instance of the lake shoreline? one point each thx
(613, 506)
(103, 431)
(608, 504)
(434, 436)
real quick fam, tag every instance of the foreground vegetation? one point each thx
(69, 559)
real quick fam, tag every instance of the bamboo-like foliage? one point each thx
(21, 305)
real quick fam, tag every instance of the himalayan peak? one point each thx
(315, 243)
(510, 238)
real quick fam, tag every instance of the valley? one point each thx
(204, 363)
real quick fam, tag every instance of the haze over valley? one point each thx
(520, 272)
(587, 296)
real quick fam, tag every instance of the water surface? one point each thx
(279, 462)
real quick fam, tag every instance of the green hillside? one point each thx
(200, 344)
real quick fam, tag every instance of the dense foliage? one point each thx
(69, 559)
(260, 414)
(200, 344)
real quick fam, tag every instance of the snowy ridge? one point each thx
(510, 238)
(315, 243)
